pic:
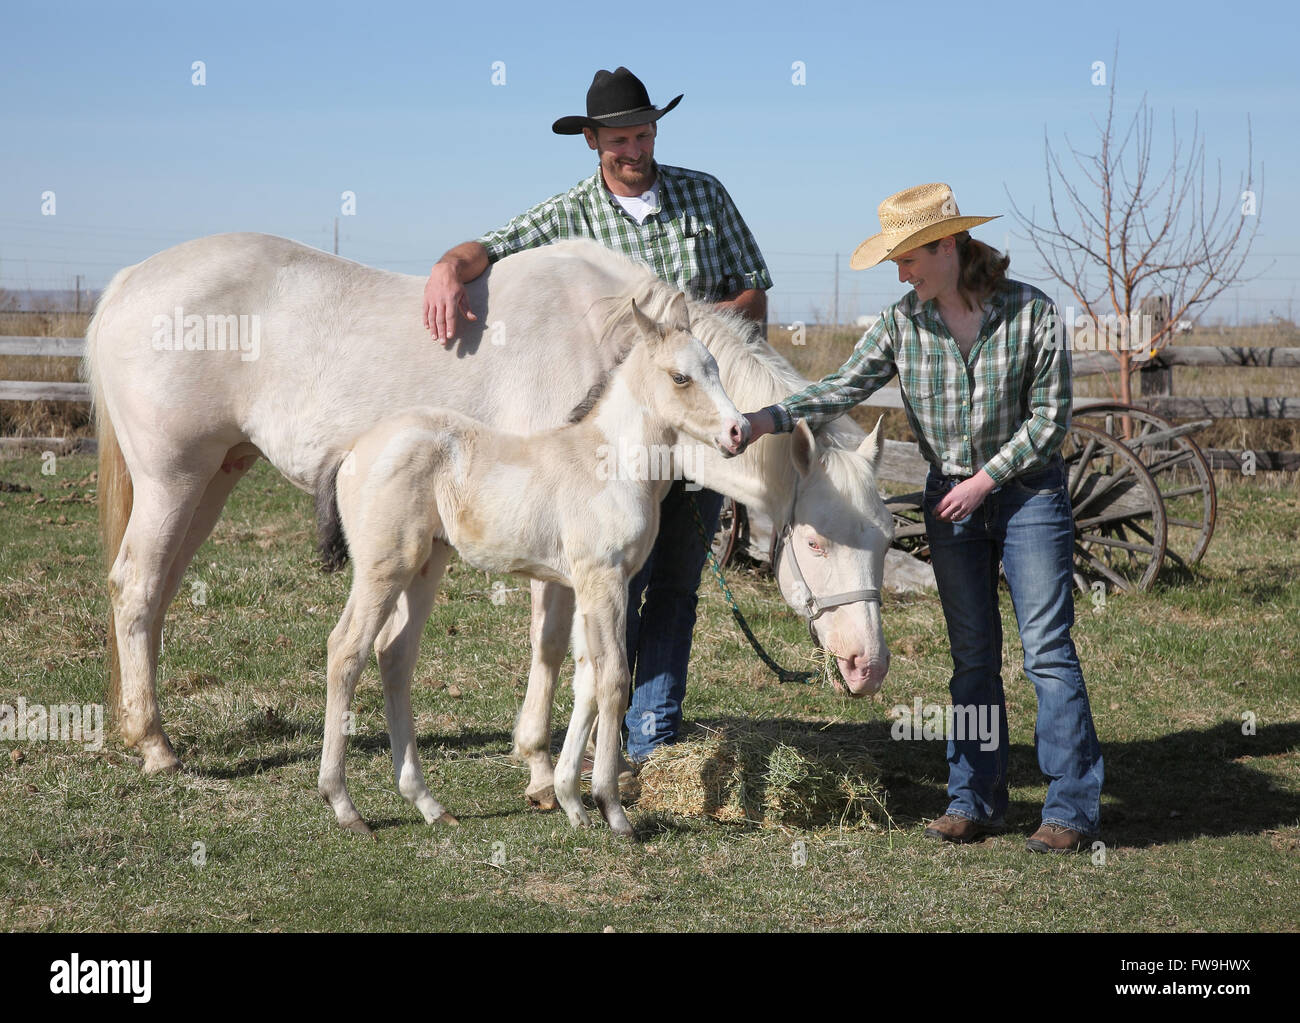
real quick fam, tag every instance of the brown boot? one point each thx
(951, 828)
(1053, 838)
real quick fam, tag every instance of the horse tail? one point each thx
(330, 541)
(116, 492)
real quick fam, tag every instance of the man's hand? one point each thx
(965, 498)
(444, 300)
(444, 293)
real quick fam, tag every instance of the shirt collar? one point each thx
(596, 184)
(993, 307)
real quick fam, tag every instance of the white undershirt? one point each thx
(639, 207)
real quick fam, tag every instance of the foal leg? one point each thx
(568, 768)
(601, 618)
(397, 648)
(552, 623)
(369, 605)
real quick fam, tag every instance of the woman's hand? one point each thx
(760, 423)
(965, 498)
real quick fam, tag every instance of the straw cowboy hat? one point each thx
(912, 218)
(616, 99)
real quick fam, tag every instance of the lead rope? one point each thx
(782, 674)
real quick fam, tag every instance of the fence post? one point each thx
(1157, 376)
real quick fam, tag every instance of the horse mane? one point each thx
(754, 373)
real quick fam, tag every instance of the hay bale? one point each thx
(764, 775)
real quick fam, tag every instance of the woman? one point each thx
(986, 386)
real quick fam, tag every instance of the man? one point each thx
(684, 226)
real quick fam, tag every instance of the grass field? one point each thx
(1201, 822)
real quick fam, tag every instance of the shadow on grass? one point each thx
(1173, 788)
(308, 745)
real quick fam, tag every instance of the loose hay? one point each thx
(766, 776)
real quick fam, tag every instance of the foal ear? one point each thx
(872, 447)
(647, 326)
(803, 448)
(679, 317)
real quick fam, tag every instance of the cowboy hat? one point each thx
(616, 99)
(912, 218)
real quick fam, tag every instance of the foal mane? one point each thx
(754, 374)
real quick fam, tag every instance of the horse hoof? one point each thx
(622, 829)
(446, 818)
(359, 827)
(542, 798)
(168, 764)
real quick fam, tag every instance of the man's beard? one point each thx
(640, 176)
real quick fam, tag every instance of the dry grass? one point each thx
(763, 775)
(44, 418)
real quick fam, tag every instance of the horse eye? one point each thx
(815, 547)
(681, 379)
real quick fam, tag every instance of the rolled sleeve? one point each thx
(869, 368)
(540, 225)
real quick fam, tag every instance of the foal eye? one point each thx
(681, 379)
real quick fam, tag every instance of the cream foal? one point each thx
(577, 505)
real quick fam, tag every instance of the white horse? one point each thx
(553, 506)
(233, 347)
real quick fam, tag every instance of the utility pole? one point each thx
(78, 292)
(336, 236)
(835, 318)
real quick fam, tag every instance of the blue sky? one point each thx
(395, 102)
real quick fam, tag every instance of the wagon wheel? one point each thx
(1177, 464)
(733, 531)
(1120, 526)
(909, 525)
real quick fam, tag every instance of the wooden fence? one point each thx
(1155, 376)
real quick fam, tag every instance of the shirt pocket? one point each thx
(694, 242)
(924, 384)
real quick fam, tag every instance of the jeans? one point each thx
(659, 634)
(1027, 525)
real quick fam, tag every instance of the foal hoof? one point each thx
(161, 761)
(617, 820)
(542, 798)
(446, 818)
(358, 826)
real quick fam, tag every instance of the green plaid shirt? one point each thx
(1005, 408)
(695, 241)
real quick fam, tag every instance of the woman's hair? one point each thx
(983, 269)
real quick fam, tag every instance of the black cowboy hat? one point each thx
(616, 99)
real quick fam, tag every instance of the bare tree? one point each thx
(1125, 229)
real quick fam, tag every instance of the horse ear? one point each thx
(872, 447)
(679, 316)
(803, 448)
(647, 326)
